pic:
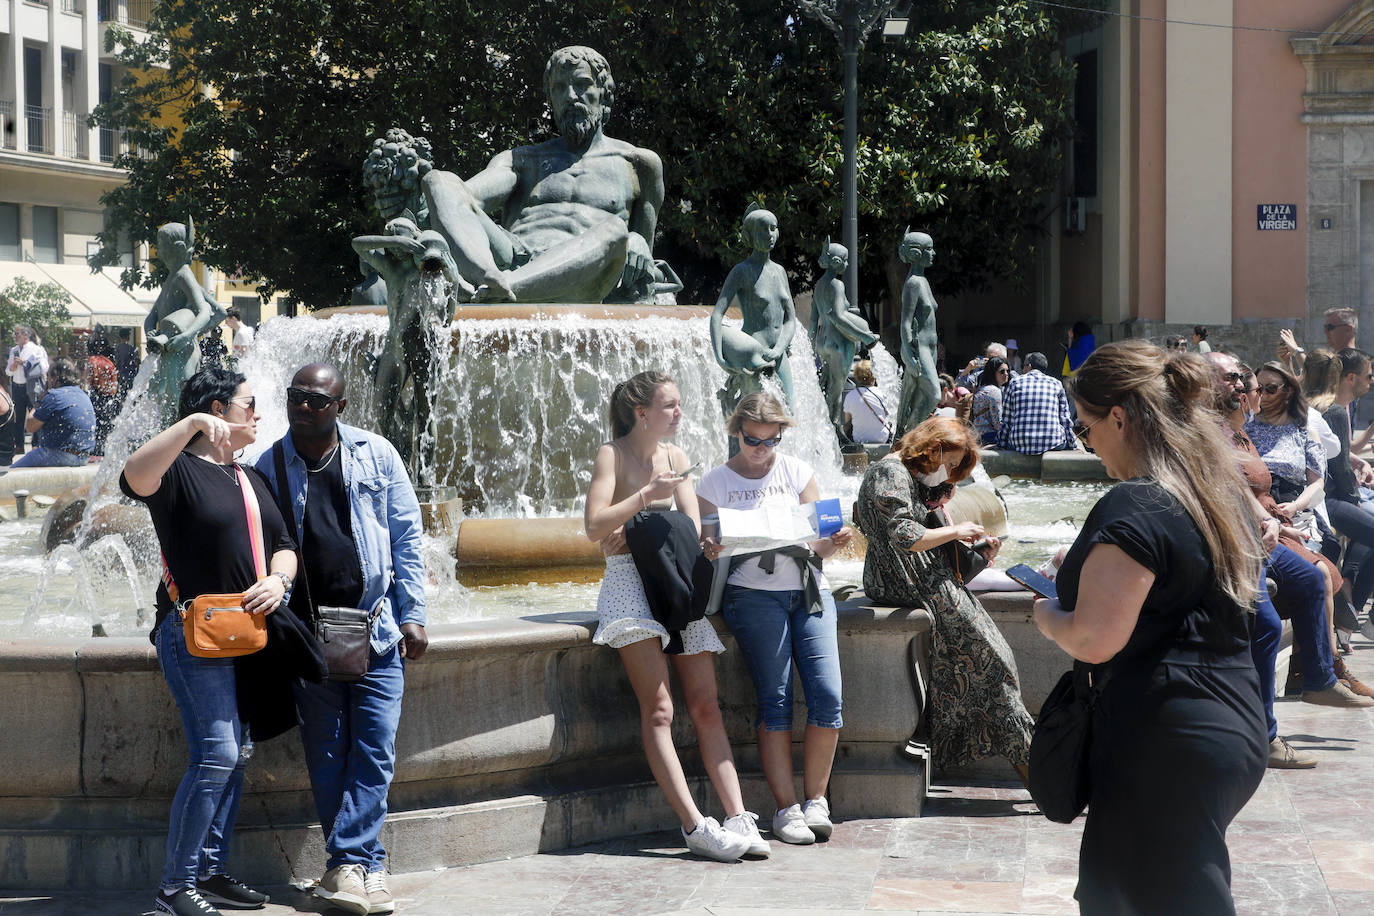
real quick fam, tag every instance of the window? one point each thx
(9, 232)
(250, 307)
(1085, 126)
(45, 237)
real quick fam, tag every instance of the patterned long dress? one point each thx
(976, 707)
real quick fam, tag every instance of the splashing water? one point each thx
(520, 403)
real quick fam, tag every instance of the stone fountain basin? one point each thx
(517, 736)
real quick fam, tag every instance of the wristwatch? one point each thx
(285, 580)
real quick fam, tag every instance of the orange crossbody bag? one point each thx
(217, 626)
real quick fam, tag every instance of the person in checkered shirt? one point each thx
(1035, 412)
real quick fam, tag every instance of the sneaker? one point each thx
(712, 841)
(379, 899)
(746, 824)
(789, 825)
(816, 813)
(1336, 695)
(186, 901)
(345, 886)
(232, 894)
(1367, 630)
(1282, 756)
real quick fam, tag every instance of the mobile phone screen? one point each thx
(1033, 581)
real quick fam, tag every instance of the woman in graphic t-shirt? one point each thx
(187, 477)
(780, 611)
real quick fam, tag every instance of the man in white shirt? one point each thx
(27, 360)
(243, 334)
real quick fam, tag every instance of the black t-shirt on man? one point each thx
(202, 528)
(331, 558)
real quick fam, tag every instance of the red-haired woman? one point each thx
(977, 710)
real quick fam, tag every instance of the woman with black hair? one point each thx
(62, 422)
(986, 414)
(203, 516)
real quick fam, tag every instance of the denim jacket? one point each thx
(385, 519)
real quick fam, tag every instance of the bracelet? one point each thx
(285, 580)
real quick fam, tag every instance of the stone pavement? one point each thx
(1303, 846)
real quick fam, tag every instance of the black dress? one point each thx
(1179, 740)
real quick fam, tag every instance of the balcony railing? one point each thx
(9, 130)
(134, 13)
(40, 128)
(75, 135)
(74, 6)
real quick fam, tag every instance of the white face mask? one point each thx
(937, 476)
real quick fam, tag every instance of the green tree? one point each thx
(280, 100)
(41, 306)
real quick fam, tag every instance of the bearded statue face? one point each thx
(578, 100)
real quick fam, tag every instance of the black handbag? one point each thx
(344, 633)
(1061, 742)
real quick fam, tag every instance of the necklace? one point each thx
(226, 468)
(325, 463)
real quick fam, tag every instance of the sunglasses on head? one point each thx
(317, 401)
(751, 440)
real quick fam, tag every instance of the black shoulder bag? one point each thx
(344, 633)
(1061, 743)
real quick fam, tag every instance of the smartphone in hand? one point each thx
(1033, 581)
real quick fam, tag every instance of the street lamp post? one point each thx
(851, 20)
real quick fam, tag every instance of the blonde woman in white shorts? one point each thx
(634, 472)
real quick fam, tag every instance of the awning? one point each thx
(96, 297)
(14, 270)
(99, 295)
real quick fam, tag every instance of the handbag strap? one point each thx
(253, 512)
(883, 419)
(283, 494)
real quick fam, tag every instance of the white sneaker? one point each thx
(1367, 629)
(379, 899)
(789, 825)
(712, 841)
(816, 812)
(746, 825)
(345, 886)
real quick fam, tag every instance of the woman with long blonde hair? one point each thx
(1156, 598)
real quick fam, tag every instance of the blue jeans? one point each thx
(349, 734)
(206, 803)
(774, 631)
(1302, 589)
(40, 456)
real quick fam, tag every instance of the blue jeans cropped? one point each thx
(348, 731)
(775, 633)
(40, 456)
(206, 803)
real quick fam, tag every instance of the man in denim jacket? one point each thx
(349, 489)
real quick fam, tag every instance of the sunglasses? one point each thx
(771, 443)
(317, 401)
(1080, 431)
(1231, 378)
(251, 406)
(1332, 327)
(1272, 388)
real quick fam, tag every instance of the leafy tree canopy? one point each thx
(41, 306)
(281, 99)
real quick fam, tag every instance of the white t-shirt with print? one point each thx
(783, 484)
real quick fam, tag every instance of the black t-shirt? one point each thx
(1185, 608)
(331, 558)
(1340, 478)
(202, 528)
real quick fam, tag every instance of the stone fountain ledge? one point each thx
(517, 736)
(1065, 465)
(45, 481)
